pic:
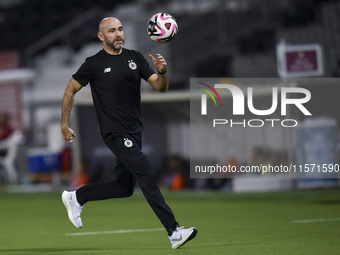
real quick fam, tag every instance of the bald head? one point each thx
(112, 35)
(107, 23)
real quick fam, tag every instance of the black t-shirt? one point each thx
(115, 85)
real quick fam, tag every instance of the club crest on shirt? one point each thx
(132, 65)
(128, 143)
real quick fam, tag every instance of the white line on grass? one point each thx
(114, 232)
(315, 220)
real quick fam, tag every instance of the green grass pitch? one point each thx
(261, 223)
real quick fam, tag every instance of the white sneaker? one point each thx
(73, 207)
(180, 236)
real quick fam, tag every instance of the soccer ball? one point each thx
(162, 27)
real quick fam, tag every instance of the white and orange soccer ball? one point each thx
(162, 27)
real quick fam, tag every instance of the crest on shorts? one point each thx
(128, 143)
(132, 65)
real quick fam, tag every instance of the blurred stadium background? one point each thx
(44, 42)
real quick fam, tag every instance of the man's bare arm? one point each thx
(72, 88)
(159, 82)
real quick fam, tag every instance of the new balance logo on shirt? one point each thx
(107, 70)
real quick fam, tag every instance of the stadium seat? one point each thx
(7, 161)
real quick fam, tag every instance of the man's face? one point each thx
(112, 33)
